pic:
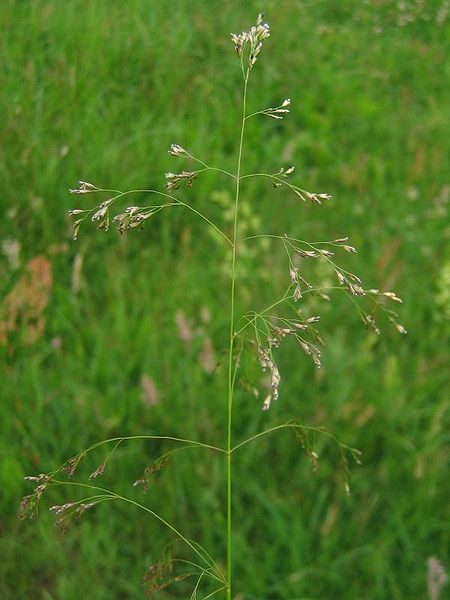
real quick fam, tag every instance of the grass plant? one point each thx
(268, 329)
(120, 346)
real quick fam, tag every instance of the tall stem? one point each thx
(231, 347)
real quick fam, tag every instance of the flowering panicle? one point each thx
(176, 150)
(29, 506)
(73, 464)
(61, 508)
(101, 215)
(174, 179)
(298, 281)
(154, 467)
(278, 178)
(253, 38)
(269, 329)
(160, 575)
(70, 512)
(279, 111)
(133, 217)
(98, 471)
(83, 188)
(287, 172)
(391, 295)
(311, 196)
(266, 362)
(370, 323)
(280, 328)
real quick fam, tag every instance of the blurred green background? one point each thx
(89, 342)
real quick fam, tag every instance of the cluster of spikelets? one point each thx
(252, 39)
(302, 328)
(248, 45)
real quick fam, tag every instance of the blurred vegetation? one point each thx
(98, 91)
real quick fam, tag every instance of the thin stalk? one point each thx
(176, 202)
(214, 593)
(114, 496)
(231, 346)
(208, 167)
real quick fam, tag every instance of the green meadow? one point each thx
(126, 335)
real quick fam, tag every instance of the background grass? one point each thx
(98, 91)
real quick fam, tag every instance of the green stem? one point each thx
(295, 426)
(231, 348)
(113, 495)
(179, 203)
(208, 168)
(274, 177)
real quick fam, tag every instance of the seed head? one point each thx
(341, 278)
(174, 179)
(98, 471)
(60, 508)
(392, 296)
(176, 150)
(356, 290)
(83, 188)
(297, 293)
(267, 402)
(400, 329)
(254, 38)
(313, 197)
(307, 253)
